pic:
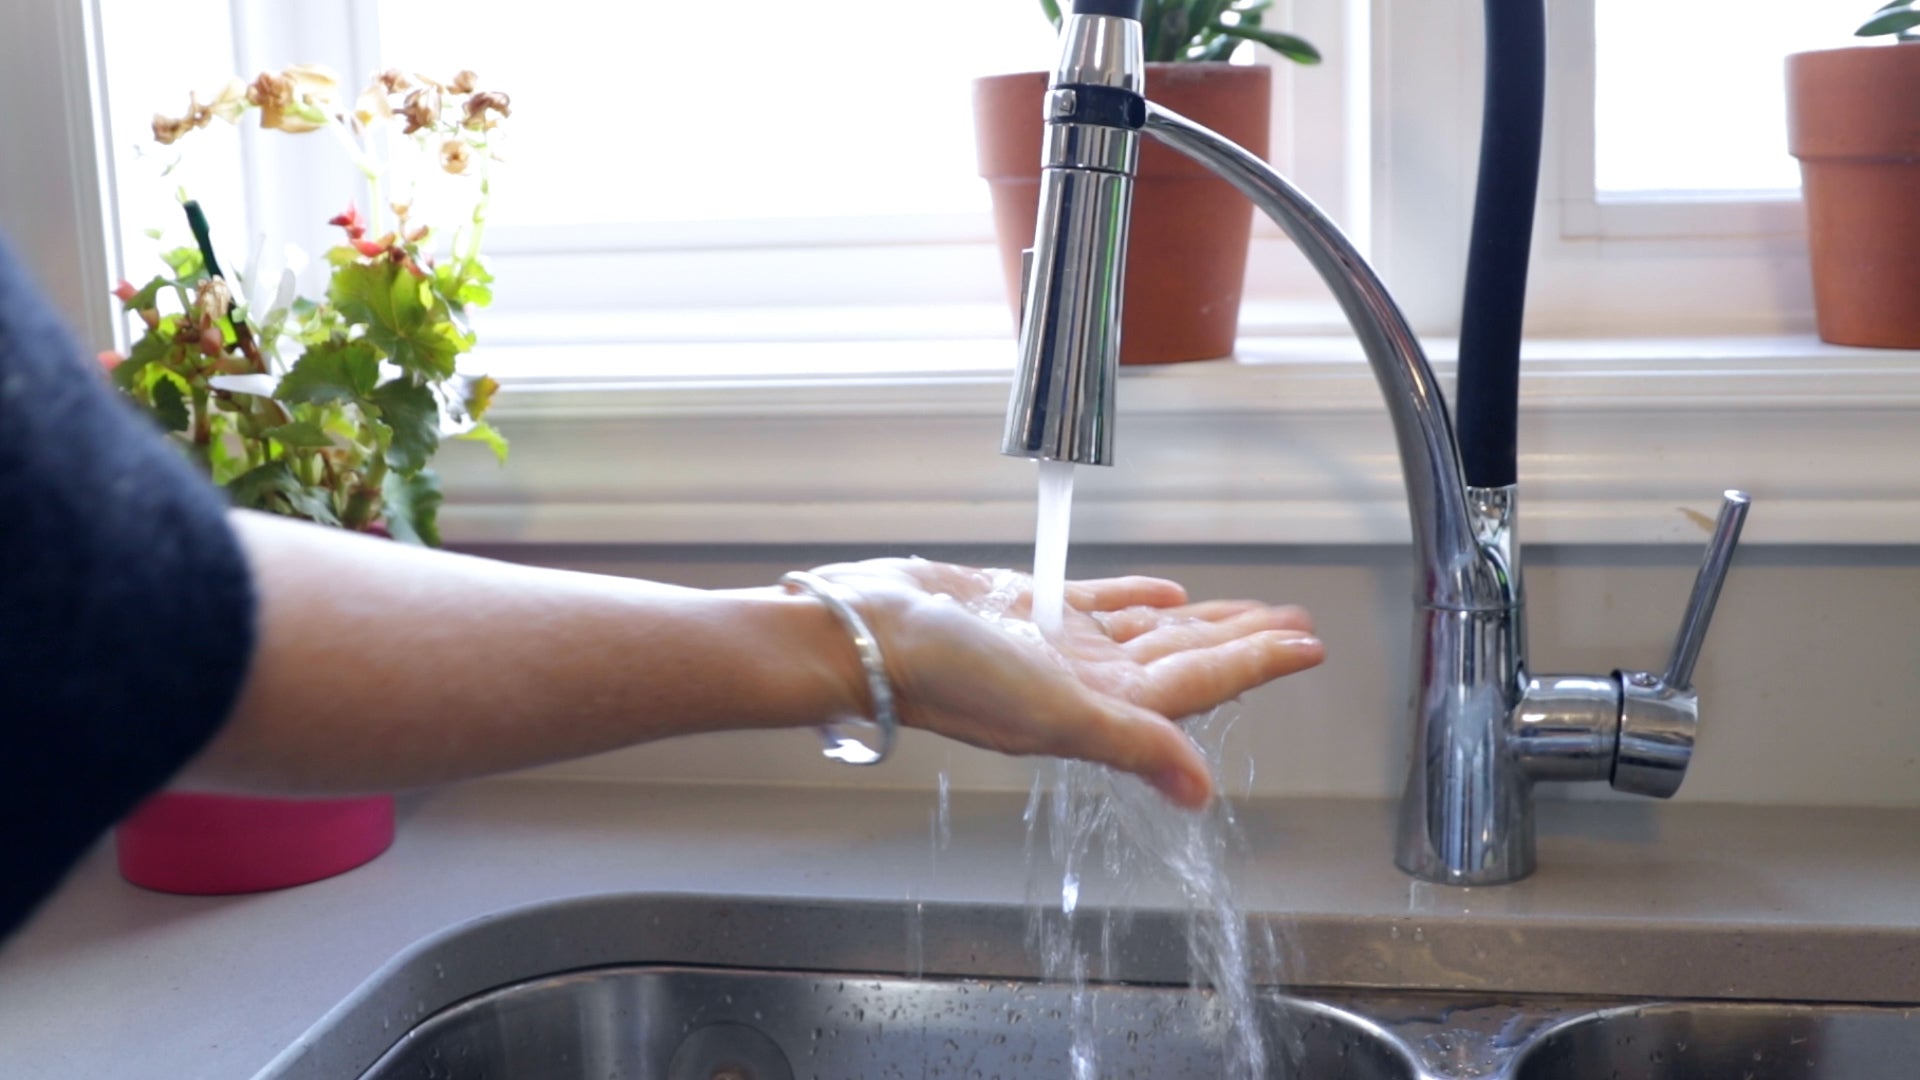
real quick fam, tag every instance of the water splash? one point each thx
(1139, 834)
(916, 939)
(943, 815)
(1140, 838)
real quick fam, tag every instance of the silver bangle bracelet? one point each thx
(842, 738)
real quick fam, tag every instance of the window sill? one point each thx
(895, 442)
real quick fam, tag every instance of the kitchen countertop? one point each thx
(1635, 899)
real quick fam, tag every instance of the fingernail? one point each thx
(1182, 787)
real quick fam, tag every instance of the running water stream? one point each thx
(1139, 837)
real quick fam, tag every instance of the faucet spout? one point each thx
(1455, 575)
(1064, 393)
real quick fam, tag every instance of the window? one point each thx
(843, 181)
(882, 298)
(1690, 98)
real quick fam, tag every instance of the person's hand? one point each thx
(1132, 656)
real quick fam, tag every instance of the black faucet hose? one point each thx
(1488, 392)
(1126, 9)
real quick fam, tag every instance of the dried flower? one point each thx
(393, 80)
(230, 102)
(422, 109)
(212, 299)
(372, 105)
(482, 103)
(464, 82)
(167, 129)
(455, 157)
(294, 99)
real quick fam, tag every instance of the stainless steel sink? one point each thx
(690, 1024)
(703, 988)
(1732, 1040)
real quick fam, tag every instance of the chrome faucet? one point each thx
(1485, 729)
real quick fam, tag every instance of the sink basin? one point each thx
(726, 988)
(1731, 1040)
(693, 1024)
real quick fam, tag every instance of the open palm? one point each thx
(1133, 655)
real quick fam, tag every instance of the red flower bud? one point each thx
(110, 359)
(211, 341)
(349, 220)
(370, 248)
(125, 290)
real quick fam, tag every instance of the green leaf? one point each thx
(186, 263)
(1892, 22)
(153, 346)
(170, 405)
(1293, 48)
(1217, 48)
(464, 283)
(1170, 33)
(402, 315)
(1052, 11)
(1207, 12)
(226, 457)
(413, 507)
(413, 414)
(255, 488)
(487, 433)
(147, 296)
(480, 391)
(300, 435)
(273, 487)
(331, 371)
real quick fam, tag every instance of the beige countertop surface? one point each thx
(1631, 899)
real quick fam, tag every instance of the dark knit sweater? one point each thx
(126, 609)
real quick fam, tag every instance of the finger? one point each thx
(1129, 623)
(1112, 594)
(1186, 636)
(1127, 737)
(1185, 683)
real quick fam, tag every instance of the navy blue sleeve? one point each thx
(126, 608)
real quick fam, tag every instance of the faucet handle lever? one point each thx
(1658, 713)
(1706, 589)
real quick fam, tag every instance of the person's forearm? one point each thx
(381, 667)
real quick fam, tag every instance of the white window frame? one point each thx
(1621, 436)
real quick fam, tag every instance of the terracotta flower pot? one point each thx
(1187, 253)
(216, 844)
(1854, 123)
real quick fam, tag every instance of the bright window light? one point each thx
(1690, 95)
(647, 111)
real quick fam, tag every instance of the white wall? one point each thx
(1810, 682)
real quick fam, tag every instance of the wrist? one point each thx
(814, 667)
(863, 738)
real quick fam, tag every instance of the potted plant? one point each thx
(1187, 251)
(327, 408)
(1854, 123)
